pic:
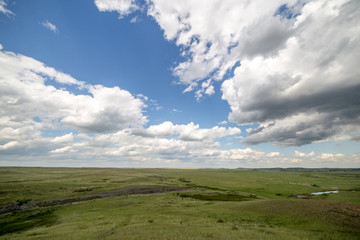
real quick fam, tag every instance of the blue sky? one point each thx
(128, 83)
(110, 51)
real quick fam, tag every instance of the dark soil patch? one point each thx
(30, 204)
(140, 190)
(205, 187)
(219, 197)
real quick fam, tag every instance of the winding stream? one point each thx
(320, 193)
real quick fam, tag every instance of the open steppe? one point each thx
(89, 203)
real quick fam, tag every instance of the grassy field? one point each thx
(212, 204)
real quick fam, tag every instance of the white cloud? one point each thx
(26, 92)
(330, 157)
(273, 154)
(298, 60)
(154, 104)
(309, 89)
(189, 132)
(62, 150)
(27, 70)
(213, 35)
(9, 145)
(67, 138)
(108, 109)
(123, 7)
(192, 132)
(3, 8)
(186, 153)
(163, 149)
(176, 110)
(223, 122)
(206, 88)
(301, 154)
(50, 26)
(210, 90)
(135, 19)
(216, 34)
(110, 120)
(297, 79)
(286, 57)
(164, 129)
(142, 96)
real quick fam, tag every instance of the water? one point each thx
(320, 193)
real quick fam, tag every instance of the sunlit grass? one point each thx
(212, 209)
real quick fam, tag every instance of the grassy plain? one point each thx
(220, 204)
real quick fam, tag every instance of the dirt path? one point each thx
(13, 206)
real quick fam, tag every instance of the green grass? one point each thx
(24, 220)
(221, 204)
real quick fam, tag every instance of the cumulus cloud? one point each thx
(3, 8)
(50, 26)
(273, 154)
(164, 129)
(330, 157)
(108, 109)
(125, 147)
(102, 123)
(301, 154)
(123, 7)
(26, 93)
(67, 138)
(215, 35)
(295, 76)
(192, 132)
(189, 132)
(62, 150)
(298, 74)
(166, 151)
(309, 89)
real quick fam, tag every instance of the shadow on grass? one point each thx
(27, 219)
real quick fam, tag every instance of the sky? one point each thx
(180, 84)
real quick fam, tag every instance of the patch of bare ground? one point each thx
(29, 204)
